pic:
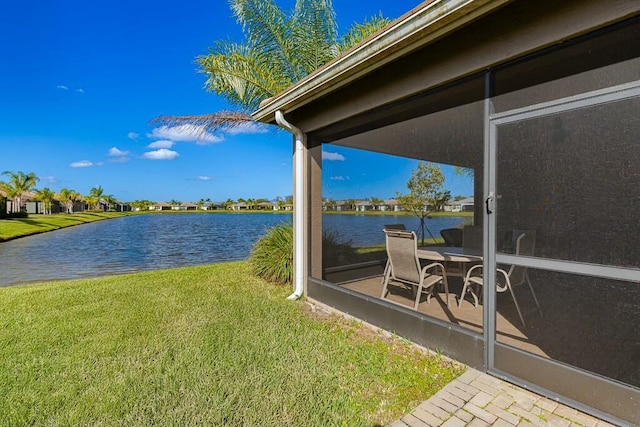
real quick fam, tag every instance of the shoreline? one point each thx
(39, 223)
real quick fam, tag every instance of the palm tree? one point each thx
(350, 204)
(111, 201)
(279, 50)
(95, 196)
(141, 204)
(376, 202)
(19, 183)
(46, 196)
(69, 198)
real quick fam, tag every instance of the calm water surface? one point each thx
(152, 242)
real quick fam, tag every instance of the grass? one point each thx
(34, 224)
(208, 345)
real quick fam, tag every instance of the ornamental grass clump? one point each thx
(272, 255)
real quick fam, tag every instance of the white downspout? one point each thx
(298, 205)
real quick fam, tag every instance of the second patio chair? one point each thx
(405, 267)
(452, 236)
(516, 275)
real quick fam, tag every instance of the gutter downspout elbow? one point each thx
(298, 208)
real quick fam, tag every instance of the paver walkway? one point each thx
(477, 399)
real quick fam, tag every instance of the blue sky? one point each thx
(81, 80)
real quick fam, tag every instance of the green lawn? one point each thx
(210, 345)
(19, 227)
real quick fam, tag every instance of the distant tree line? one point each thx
(20, 184)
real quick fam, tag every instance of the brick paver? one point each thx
(478, 399)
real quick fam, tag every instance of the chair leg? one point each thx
(445, 282)
(526, 276)
(418, 294)
(466, 289)
(515, 301)
(384, 273)
(385, 281)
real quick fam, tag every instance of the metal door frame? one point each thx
(513, 356)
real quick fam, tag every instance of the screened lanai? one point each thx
(538, 102)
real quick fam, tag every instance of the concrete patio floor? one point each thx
(510, 329)
(590, 327)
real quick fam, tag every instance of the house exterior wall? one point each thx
(436, 104)
(353, 114)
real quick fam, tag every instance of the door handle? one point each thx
(489, 203)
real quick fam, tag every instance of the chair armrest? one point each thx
(474, 270)
(432, 265)
(507, 283)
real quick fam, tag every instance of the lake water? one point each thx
(159, 241)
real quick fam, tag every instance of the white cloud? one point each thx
(132, 135)
(203, 178)
(114, 152)
(185, 133)
(80, 90)
(327, 155)
(63, 87)
(248, 127)
(82, 164)
(337, 178)
(161, 154)
(163, 143)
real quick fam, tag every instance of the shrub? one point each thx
(335, 252)
(21, 214)
(272, 255)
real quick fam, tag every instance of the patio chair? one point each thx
(452, 236)
(390, 227)
(516, 275)
(394, 227)
(404, 267)
(472, 237)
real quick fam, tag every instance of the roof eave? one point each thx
(418, 28)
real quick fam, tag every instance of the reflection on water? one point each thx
(134, 243)
(152, 242)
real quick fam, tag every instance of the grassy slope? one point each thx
(206, 345)
(34, 224)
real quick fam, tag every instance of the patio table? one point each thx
(450, 253)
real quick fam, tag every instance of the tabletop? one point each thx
(450, 253)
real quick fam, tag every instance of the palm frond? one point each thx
(280, 50)
(268, 31)
(241, 75)
(314, 33)
(361, 31)
(222, 120)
